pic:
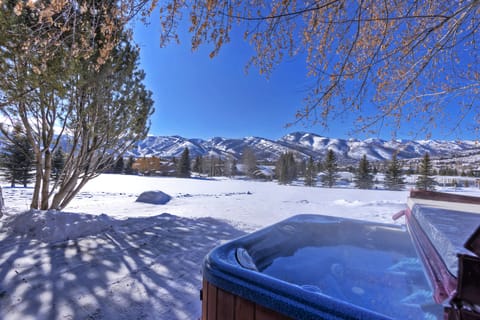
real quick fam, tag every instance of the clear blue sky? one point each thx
(199, 97)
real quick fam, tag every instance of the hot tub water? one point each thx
(387, 282)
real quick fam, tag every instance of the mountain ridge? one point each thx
(304, 144)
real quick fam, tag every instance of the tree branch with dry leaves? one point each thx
(387, 62)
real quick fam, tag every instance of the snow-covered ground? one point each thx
(109, 257)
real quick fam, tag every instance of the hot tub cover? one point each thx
(448, 231)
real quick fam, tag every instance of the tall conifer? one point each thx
(330, 170)
(183, 169)
(310, 173)
(393, 175)
(17, 160)
(425, 179)
(363, 176)
(286, 168)
(58, 163)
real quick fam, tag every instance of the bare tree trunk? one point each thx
(46, 180)
(2, 203)
(69, 197)
(65, 189)
(24, 116)
(38, 180)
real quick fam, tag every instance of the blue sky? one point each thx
(199, 97)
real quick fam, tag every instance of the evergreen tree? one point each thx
(393, 175)
(58, 163)
(103, 107)
(197, 165)
(310, 173)
(330, 170)
(17, 159)
(234, 167)
(292, 171)
(320, 166)
(363, 177)
(119, 166)
(301, 168)
(425, 180)
(129, 165)
(286, 168)
(183, 169)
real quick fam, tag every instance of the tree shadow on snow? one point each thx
(143, 268)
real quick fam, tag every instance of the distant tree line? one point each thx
(288, 168)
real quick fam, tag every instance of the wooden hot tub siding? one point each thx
(218, 304)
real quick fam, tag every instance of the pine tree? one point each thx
(393, 175)
(291, 167)
(425, 180)
(183, 169)
(363, 178)
(58, 163)
(330, 170)
(310, 173)
(197, 165)
(119, 166)
(129, 165)
(101, 108)
(301, 168)
(286, 168)
(320, 166)
(17, 159)
(233, 167)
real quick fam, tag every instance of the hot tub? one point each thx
(318, 267)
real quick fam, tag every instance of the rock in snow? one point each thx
(154, 197)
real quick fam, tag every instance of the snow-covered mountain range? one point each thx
(304, 145)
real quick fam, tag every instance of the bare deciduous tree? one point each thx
(384, 61)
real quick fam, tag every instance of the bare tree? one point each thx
(386, 62)
(249, 161)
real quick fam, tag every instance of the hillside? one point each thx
(305, 145)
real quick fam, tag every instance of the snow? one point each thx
(109, 257)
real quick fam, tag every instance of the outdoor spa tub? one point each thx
(318, 267)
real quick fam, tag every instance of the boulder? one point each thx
(154, 197)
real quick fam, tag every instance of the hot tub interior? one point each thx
(369, 265)
(311, 262)
(386, 282)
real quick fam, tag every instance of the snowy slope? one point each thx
(110, 257)
(305, 145)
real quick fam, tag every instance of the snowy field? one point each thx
(109, 257)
